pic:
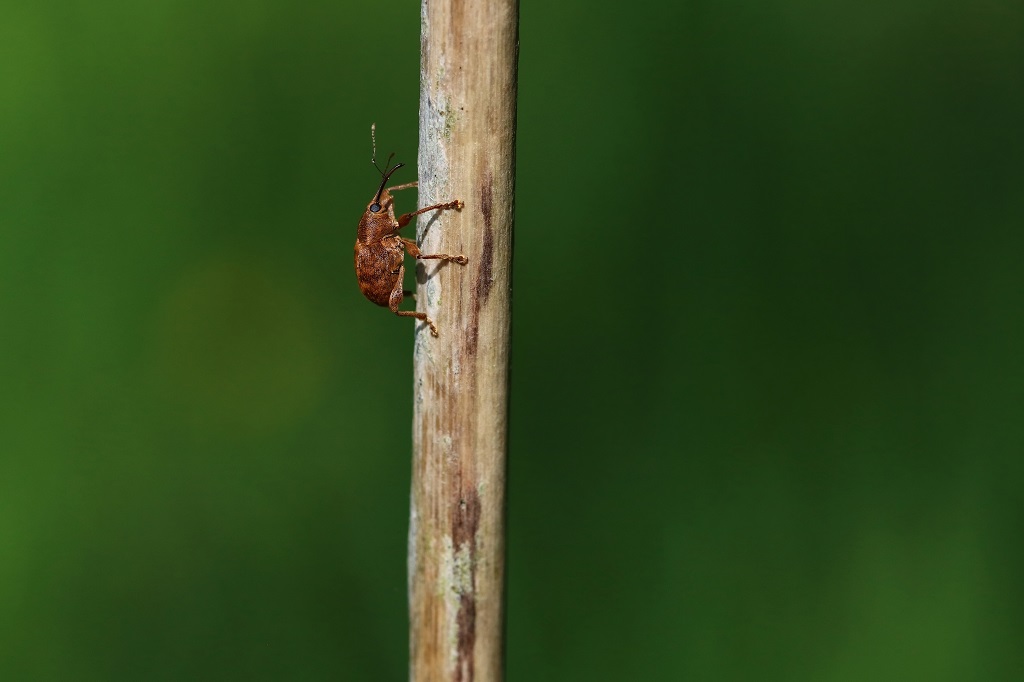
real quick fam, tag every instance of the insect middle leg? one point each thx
(414, 251)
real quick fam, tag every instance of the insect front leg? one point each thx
(408, 185)
(415, 252)
(396, 297)
(404, 219)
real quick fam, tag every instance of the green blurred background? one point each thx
(768, 390)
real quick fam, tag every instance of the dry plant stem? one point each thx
(467, 152)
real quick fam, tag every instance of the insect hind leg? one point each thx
(396, 298)
(422, 317)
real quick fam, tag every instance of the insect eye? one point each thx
(374, 208)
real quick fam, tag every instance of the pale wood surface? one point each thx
(467, 152)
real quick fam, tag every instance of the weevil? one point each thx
(380, 252)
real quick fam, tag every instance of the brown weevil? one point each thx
(380, 252)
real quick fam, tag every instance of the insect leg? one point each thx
(407, 185)
(404, 219)
(396, 298)
(414, 251)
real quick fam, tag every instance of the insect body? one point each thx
(380, 252)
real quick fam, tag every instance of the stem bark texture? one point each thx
(457, 524)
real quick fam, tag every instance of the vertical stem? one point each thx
(467, 152)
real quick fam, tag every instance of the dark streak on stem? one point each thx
(465, 524)
(485, 277)
(484, 274)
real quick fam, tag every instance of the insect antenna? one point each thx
(373, 159)
(385, 174)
